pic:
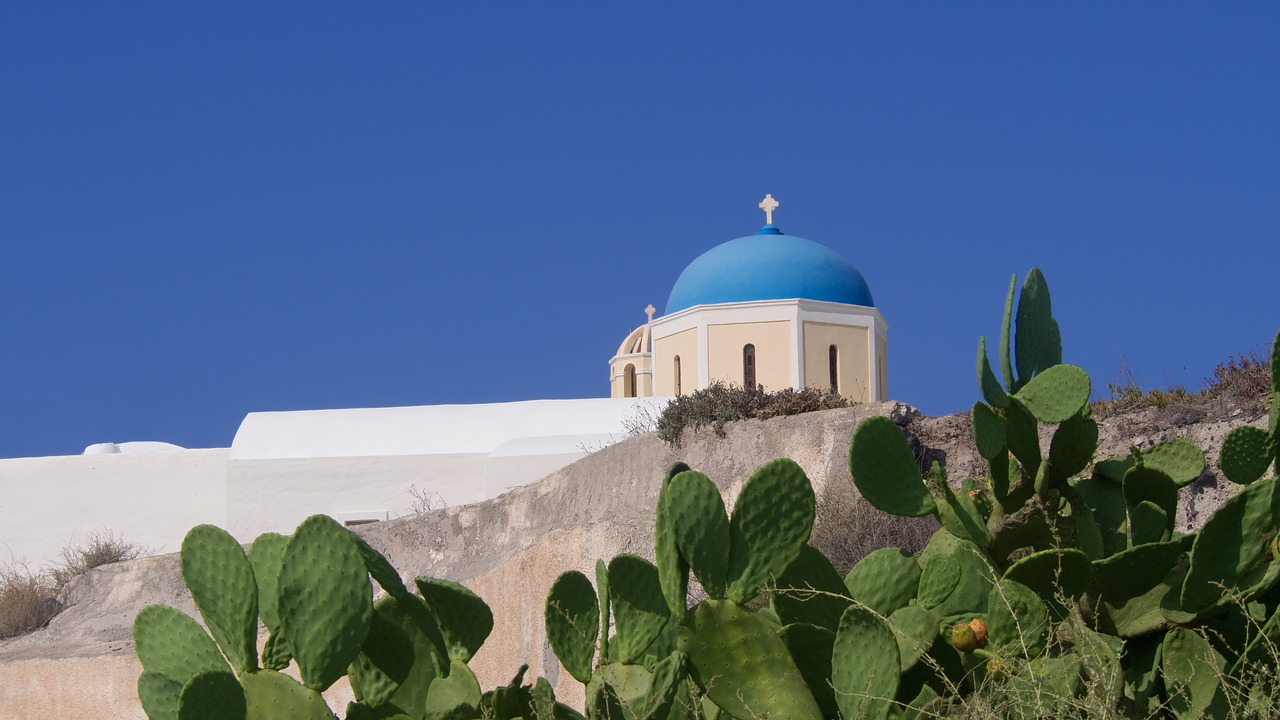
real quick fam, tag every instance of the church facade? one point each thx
(769, 309)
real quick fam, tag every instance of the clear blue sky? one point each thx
(208, 211)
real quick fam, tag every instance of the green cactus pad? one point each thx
(1053, 574)
(638, 606)
(1056, 394)
(273, 695)
(810, 646)
(1180, 459)
(937, 582)
(1024, 438)
(1148, 484)
(865, 667)
(1134, 571)
(1191, 669)
(276, 654)
(158, 694)
(977, 574)
(380, 569)
(1148, 523)
(383, 663)
(220, 578)
(573, 623)
(173, 644)
(1039, 342)
(1259, 649)
(463, 618)
(941, 544)
(325, 600)
(603, 602)
(212, 695)
(1105, 501)
(884, 469)
(673, 569)
(507, 701)
(1232, 549)
(666, 683)
(701, 528)
(455, 696)
(987, 382)
(989, 431)
(1113, 468)
(265, 555)
(1246, 454)
(810, 591)
(1073, 446)
(884, 580)
(772, 520)
(958, 513)
(916, 629)
(430, 658)
(1017, 621)
(742, 665)
(1006, 337)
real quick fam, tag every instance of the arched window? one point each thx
(629, 381)
(677, 370)
(832, 357)
(749, 367)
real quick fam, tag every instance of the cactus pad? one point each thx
(987, 382)
(380, 569)
(573, 623)
(272, 695)
(916, 629)
(865, 667)
(772, 520)
(1246, 453)
(276, 654)
(810, 591)
(743, 665)
(1232, 549)
(810, 646)
(325, 601)
(1191, 670)
(884, 469)
(638, 606)
(265, 556)
(701, 528)
(1055, 394)
(884, 580)
(1180, 459)
(602, 601)
(384, 662)
(1039, 342)
(673, 569)
(212, 695)
(463, 618)
(1052, 573)
(158, 694)
(1144, 483)
(1132, 572)
(1073, 445)
(989, 431)
(455, 695)
(1148, 523)
(937, 581)
(173, 644)
(666, 683)
(1017, 621)
(220, 578)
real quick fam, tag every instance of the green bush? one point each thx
(720, 403)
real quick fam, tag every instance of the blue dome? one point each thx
(768, 266)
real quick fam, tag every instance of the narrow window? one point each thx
(629, 380)
(749, 367)
(677, 363)
(832, 357)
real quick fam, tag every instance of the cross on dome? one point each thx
(650, 310)
(768, 205)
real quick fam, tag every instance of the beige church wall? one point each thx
(618, 375)
(852, 358)
(149, 499)
(882, 366)
(773, 352)
(665, 350)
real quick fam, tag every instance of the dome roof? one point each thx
(768, 266)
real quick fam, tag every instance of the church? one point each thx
(770, 310)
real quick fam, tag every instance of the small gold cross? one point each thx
(768, 205)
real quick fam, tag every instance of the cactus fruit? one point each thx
(885, 470)
(865, 666)
(963, 638)
(772, 520)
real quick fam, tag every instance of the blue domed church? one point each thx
(768, 309)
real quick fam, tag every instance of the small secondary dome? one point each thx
(769, 265)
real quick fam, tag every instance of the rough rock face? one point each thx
(511, 548)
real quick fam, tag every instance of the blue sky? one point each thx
(211, 210)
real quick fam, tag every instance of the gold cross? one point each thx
(768, 205)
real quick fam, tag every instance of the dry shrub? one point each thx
(99, 548)
(27, 600)
(847, 528)
(720, 403)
